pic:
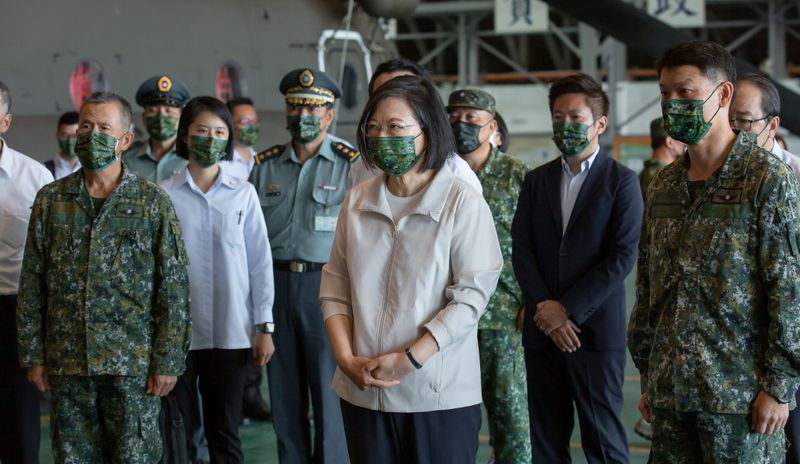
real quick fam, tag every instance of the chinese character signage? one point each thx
(520, 16)
(679, 13)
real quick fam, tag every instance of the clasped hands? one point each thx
(382, 372)
(553, 320)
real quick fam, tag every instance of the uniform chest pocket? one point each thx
(133, 267)
(271, 196)
(14, 227)
(723, 232)
(232, 229)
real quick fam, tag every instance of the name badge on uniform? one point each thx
(325, 223)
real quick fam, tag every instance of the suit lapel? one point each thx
(552, 187)
(596, 174)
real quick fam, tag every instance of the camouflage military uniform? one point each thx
(502, 356)
(103, 302)
(716, 319)
(651, 168)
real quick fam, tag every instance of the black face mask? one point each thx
(467, 136)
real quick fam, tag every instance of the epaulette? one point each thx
(270, 153)
(342, 150)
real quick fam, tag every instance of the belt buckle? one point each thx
(294, 266)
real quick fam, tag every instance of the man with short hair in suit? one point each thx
(575, 236)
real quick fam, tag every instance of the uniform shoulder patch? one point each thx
(345, 151)
(270, 153)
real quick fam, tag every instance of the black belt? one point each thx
(297, 266)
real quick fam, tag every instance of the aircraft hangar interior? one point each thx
(294, 89)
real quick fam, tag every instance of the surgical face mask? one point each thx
(393, 155)
(67, 146)
(753, 136)
(684, 121)
(96, 150)
(468, 136)
(207, 151)
(161, 126)
(248, 135)
(304, 128)
(571, 138)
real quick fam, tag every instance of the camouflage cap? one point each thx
(657, 132)
(162, 90)
(309, 87)
(471, 98)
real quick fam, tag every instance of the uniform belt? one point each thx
(297, 266)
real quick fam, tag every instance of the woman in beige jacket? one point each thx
(414, 261)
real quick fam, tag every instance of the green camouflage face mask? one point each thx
(67, 146)
(393, 155)
(467, 137)
(207, 151)
(571, 138)
(248, 135)
(683, 119)
(96, 150)
(161, 127)
(304, 128)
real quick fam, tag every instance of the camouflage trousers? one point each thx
(698, 437)
(104, 419)
(505, 394)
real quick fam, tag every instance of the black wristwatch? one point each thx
(265, 327)
(413, 360)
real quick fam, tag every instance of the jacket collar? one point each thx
(430, 203)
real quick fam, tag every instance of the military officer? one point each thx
(472, 114)
(301, 185)
(103, 313)
(162, 98)
(665, 151)
(715, 328)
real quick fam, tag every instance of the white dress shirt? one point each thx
(20, 178)
(571, 186)
(792, 160)
(239, 167)
(359, 172)
(62, 167)
(230, 262)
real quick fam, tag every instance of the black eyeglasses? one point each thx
(746, 124)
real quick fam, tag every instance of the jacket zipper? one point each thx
(383, 310)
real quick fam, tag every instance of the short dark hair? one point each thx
(191, 111)
(503, 129)
(238, 101)
(5, 95)
(711, 58)
(398, 64)
(581, 83)
(770, 98)
(69, 118)
(101, 98)
(426, 105)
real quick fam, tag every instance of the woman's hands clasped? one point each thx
(366, 372)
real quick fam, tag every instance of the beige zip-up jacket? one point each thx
(434, 270)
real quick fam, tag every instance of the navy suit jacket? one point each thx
(585, 269)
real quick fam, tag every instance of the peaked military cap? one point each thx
(308, 86)
(471, 98)
(657, 132)
(162, 90)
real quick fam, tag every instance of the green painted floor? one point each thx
(259, 446)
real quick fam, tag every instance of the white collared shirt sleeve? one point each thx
(230, 262)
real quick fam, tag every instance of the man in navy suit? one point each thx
(575, 237)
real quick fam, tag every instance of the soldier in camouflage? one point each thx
(715, 332)
(665, 151)
(502, 356)
(103, 313)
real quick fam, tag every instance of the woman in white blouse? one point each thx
(414, 261)
(230, 274)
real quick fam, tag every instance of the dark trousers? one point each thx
(19, 399)
(220, 375)
(303, 366)
(592, 382)
(792, 430)
(436, 437)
